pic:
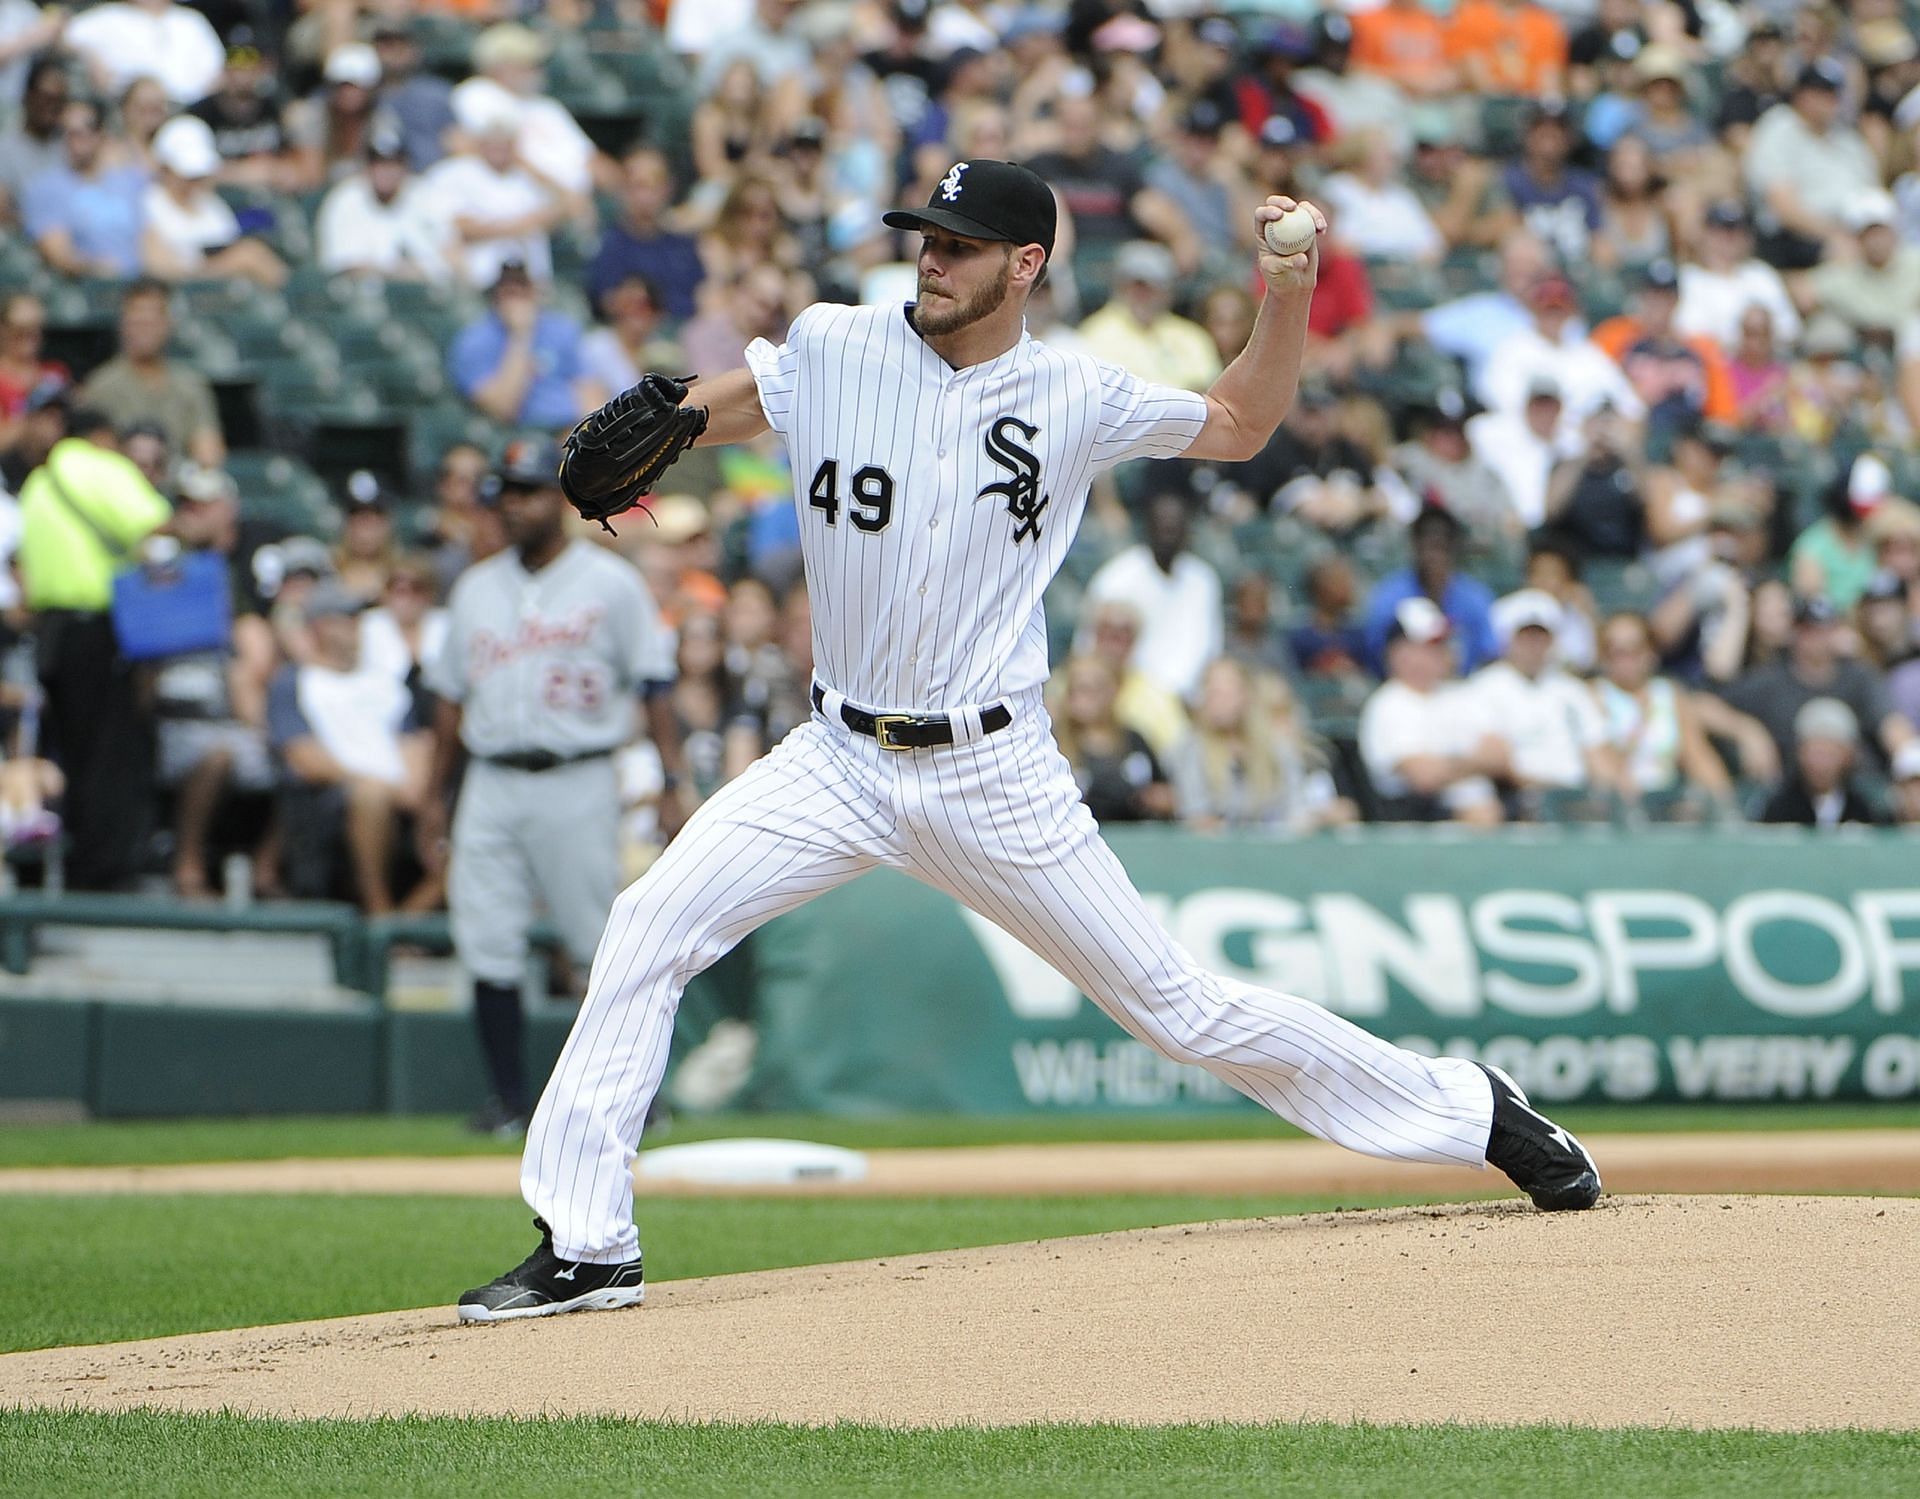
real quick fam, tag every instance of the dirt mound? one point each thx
(1774, 1312)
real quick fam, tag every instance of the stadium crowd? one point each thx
(1594, 505)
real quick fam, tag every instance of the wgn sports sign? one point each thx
(1736, 966)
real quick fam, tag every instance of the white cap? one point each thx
(1906, 761)
(184, 146)
(1420, 620)
(1869, 481)
(1869, 207)
(1528, 608)
(1826, 718)
(482, 107)
(355, 63)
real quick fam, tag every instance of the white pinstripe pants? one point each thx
(998, 824)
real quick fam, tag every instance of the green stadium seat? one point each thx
(281, 491)
(431, 430)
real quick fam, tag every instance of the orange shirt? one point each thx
(1408, 46)
(1521, 50)
(1720, 403)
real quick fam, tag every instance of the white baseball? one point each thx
(1292, 233)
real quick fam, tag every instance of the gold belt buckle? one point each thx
(883, 726)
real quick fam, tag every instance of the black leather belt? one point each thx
(910, 731)
(541, 759)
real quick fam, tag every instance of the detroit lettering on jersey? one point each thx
(550, 660)
(937, 504)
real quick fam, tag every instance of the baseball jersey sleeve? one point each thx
(776, 370)
(1142, 420)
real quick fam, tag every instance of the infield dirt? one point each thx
(1785, 1313)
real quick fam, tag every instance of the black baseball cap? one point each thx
(984, 199)
(1822, 73)
(527, 463)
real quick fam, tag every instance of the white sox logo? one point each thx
(1022, 491)
(950, 184)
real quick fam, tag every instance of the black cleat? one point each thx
(498, 1120)
(1545, 1162)
(544, 1285)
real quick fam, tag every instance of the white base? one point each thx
(752, 1163)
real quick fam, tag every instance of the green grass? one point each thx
(159, 1142)
(104, 1269)
(146, 1456)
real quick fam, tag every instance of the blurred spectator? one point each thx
(1555, 348)
(294, 569)
(1330, 644)
(1470, 328)
(1814, 668)
(189, 231)
(1804, 166)
(1177, 595)
(1667, 767)
(1905, 791)
(1509, 47)
(1680, 144)
(1827, 387)
(680, 559)
(366, 553)
(454, 539)
(1823, 791)
(1701, 624)
(1558, 202)
(211, 705)
(748, 234)
(1879, 290)
(1682, 496)
(734, 130)
(1597, 498)
(26, 34)
(34, 142)
(1633, 232)
(762, 678)
(1119, 776)
(1835, 556)
(1894, 530)
(1139, 331)
(633, 342)
(1356, 100)
(1884, 626)
(83, 512)
(127, 39)
(1440, 463)
(1227, 313)
(330, 130)
(1309, 464)
(140, 384)
(420, 102)
(1757, 78)
(24, 366)
(1379, 214)
(1253, 636)
(767, 43)
(487, 203)
(354, 761)
(1423, 753)
(1204, 182)
(639, 243)
(379, 222)
(145, 446)
(1545, 715)
(1466, 602)
(521, 363)
(718, 735)
(1112, 630)
(1248, 762)
(1553, 568)
(1758, 375)
(1718, 288)
(244, 114)
(1677, 379)
(751, 305)
(1267, 91)
(551, 143)
(407, 627)
(84, 215)
(1460, 193)
(1342, 332)
(1524, 449)
(143, 109)
(1403, 40)
(1108, 197)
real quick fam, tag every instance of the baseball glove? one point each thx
(614, 458)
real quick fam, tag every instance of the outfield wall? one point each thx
(1739, 965)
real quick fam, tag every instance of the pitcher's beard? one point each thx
(936, 320)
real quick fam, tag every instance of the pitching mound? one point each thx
(1773, 1312)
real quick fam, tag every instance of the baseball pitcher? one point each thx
(941, 458)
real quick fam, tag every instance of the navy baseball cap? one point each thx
(527, 463)
(984, 199)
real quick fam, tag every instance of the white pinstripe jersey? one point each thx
(936, 504)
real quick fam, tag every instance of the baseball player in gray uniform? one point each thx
(941, 458)
(548, 644)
